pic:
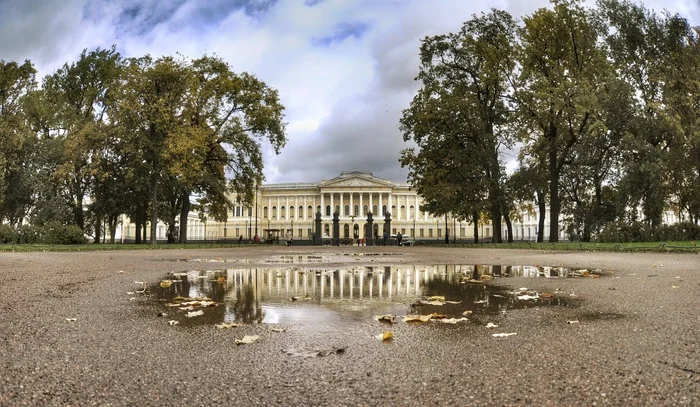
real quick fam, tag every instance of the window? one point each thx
(430, 232)
(238, 211)
(403, 231)
(291, 212)
(421, 232)
(274, 212)
(328, 211)
(337, 209)
(374, 209)
(364, 210)
(264, 211)
(403, 212)
(411, 212)
(356, 210)
(283, 212)
(346, 210)
(393, 210)
(238, 232)
(326, 229)
(310, 211)
(300, 231)
(346, 231)
(383, 209)
(439, 232)
(301, 212)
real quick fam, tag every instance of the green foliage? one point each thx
(50, 233)
(7, 234)
(622, 232)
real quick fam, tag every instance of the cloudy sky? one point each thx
(344, 68)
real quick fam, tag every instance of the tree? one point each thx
(16, 141)
(458, 119)
(196, 127)
(561, 66)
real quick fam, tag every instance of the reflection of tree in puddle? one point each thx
(283, 294)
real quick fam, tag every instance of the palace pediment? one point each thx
(356, 180)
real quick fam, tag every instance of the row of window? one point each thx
(346, 211)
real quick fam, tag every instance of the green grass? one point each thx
(98, 247)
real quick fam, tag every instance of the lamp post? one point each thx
(255, 201)
(352, 218)
(414, 228)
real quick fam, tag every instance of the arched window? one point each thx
(364, 210)
(393, 211)
(383, 209)
(282, 212)
(346, 231)
(337, 209)
(274, 212)
(346, 210)
(318, 208)
(403, 212)
(356, 210)
(356, 231)
(328, 210)
(310, 212)
(326, 229)
(291, 212)
(374, 209)
(411, 212)
(301, 212)
(265, 212)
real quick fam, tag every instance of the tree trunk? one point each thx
(145, 229)
(113, 221)
(496, 219)
(184, 212)
(137, 239)
(154, 209)
(554, 203)
(476, 227)
(543, 212)
(509, 227)
(98, 229)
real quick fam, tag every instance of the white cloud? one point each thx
(344, 68)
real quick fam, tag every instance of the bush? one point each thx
(7, 234)
(56, 233)
(621, 232)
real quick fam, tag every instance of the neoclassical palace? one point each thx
(290, 208)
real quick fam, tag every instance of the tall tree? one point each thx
(460, 111)
(561, 64)
(16, 141)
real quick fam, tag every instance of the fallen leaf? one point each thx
(385, 336)
(527, 297)
(172, 322)
(132, 298)
(129, 293)
(480, 302)
(140, 282)
(440, 298)
(71, 319)
(453, 302)
(452, 320)
(504, 335)
(307, 297)
(166, 283)
(224, 325)
(416, 318)
(465, 313)
(435, 315)
(431, 303)
(491, 325)
(674, 286)
(195, 313)
(120, 272)
(573, 321)
(389, 319)
(247, 339)
(312, 353)
(277, 329)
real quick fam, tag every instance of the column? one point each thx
(389, 206)
(370, 201)
(286, 203)
(415, 211)
(362, 205)
(323, 205)
(278, 209)
(342, 211)
(381, 211)
(332, 205)
(305, 214)
(352, 204)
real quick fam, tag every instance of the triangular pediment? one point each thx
(356, 179)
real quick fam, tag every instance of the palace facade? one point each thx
(290, 208)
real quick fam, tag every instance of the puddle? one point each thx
(320, 299)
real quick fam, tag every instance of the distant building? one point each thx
(290, 209)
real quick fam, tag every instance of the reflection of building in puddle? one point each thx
(296, 295)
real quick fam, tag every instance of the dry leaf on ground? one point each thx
(385, 336)
(247, 339)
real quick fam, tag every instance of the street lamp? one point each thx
(255, 202)
(352, 218)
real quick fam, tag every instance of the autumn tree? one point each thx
(458, 119)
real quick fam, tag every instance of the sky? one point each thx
(344, 69)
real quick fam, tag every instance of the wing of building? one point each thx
(289, 209)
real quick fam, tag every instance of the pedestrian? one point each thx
(386, 238)
(240, 239)
(398, 239)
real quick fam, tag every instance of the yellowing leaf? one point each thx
(195, 313)
(385, 336)
(172, 322)
(453, 302)
(224, 325)
(166, 283)
(452, 320)
(491, 325)
(465, 313)
(247, 339)
(307, 297)
(504, 335)
(417, 318)
(440, 298)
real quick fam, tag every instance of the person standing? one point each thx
(398, 239)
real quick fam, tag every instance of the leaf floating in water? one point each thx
(224, 325)
(453, 302)
(435, 315)
(312, 353)
(480, 302)
(440, 298)
(247, 339)
(71, 319)
(172, 322)
(307, 297)
(417, 318)
(166, 283)
(452, 320)
(491, 325)
(465, 313)
(504, 335)
(573, 321)
(195, 313)
(385, 336)
(431, 303)
(389, 319)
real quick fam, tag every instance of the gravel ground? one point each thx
(637, 341)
